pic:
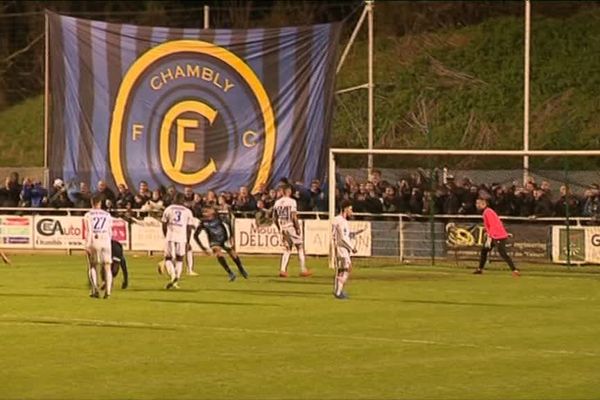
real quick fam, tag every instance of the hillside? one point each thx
(464, 84)
(22, 134)
(469, 85)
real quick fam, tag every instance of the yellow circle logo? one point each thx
(180, 102)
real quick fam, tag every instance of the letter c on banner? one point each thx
(173, 169)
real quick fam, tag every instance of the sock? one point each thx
(114, 269)
(125, 272)
(178, 268)
(189, 258)
(285, 258)
(223, 263)
(302, 259)
(93, 278)
(504, 254)
(335, 282)
(340, 281)
(483, 257)
(238, 262)
(170, 269)
(109, 278)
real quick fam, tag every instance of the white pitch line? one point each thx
(12, 319)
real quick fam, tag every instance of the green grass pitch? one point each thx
(407, 332)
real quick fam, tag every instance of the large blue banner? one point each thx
(212, 109)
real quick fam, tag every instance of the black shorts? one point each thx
(225, 245)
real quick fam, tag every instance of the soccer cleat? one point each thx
(341, 296)
(94, 295)
(244, 273)
(516, 273)
(124, 285)
(172, 284)
(231, 277)
(192, 273)
(478, 271)
(306, 273)
(283, 274)
(106, 296)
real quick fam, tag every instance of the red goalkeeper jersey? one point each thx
(493, 225)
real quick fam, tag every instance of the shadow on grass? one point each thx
(158, 289)
(457, 303)
(208, 302)
(453, 303)
(87, 324)
(562, 274)
(278, 293)
(312, 281)
(29, 295)
(67, 287)
(403, 277)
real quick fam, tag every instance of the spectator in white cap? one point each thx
(58, 195)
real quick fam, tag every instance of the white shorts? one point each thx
(290, 237)
(343, 260)
(174, 249)
(100, 255)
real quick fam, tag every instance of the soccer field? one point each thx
(406, 333)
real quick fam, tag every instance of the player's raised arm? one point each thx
(197, 233)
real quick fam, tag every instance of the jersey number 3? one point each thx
(177, 216)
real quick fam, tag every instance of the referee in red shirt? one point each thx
(496, 236)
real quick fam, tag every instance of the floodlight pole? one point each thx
(366, 13)
(206, 16)
(46, 177)
(526, 91)
(369, 8)
(351, 41)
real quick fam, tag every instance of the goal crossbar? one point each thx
(443, 152)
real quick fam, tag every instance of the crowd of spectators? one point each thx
(416, 194)
(421, 194)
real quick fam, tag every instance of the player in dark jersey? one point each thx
(118, 256)
(219, 239)
(118, 262)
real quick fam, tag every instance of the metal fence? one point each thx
(397, 237)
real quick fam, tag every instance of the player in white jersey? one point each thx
(285, 216)
(98, 228)
(177, 225)
(343, 248)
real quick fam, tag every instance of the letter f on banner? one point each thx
(174, 170)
